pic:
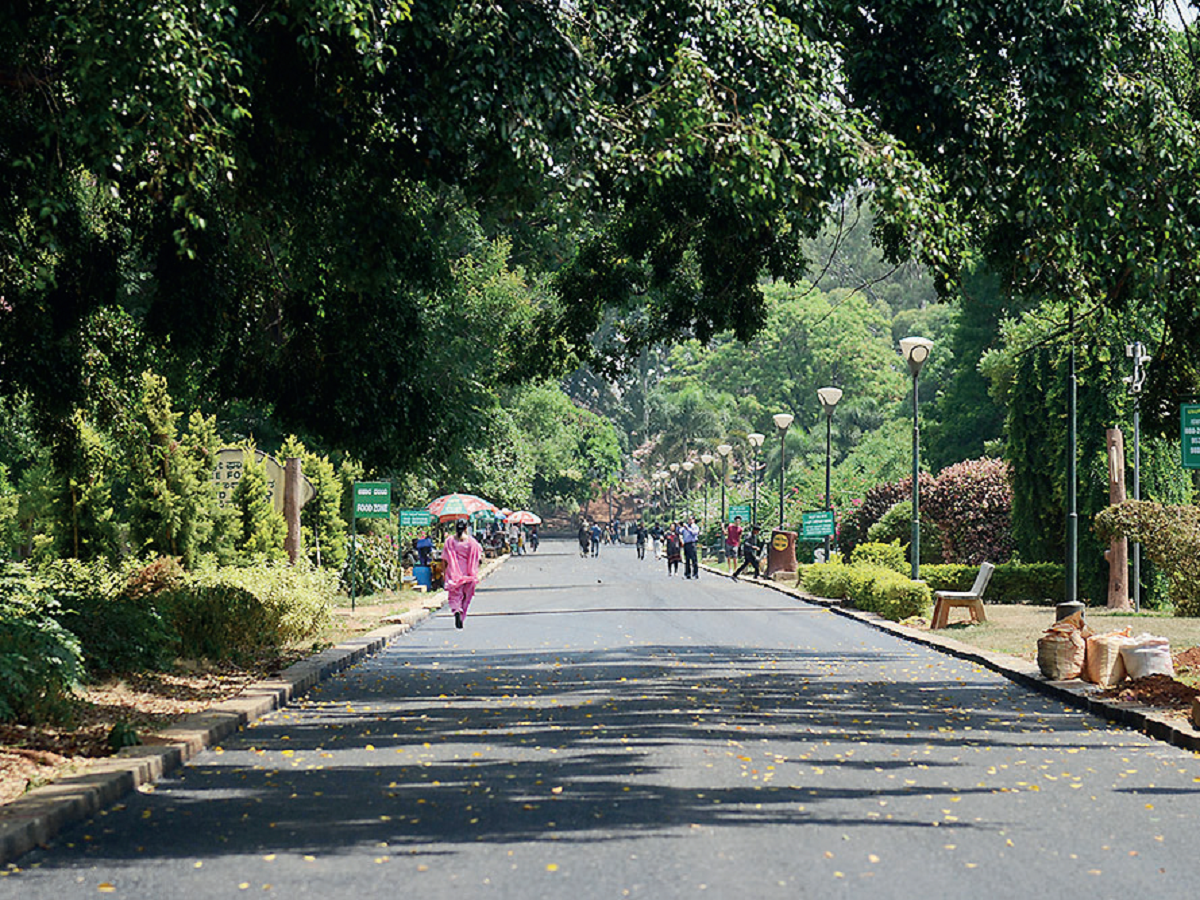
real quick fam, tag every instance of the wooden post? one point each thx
(1118, 551)
(291, 507)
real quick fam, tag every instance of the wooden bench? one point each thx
(972, 599)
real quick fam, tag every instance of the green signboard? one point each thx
(1189, 434)
(372, 499)
(417, 517)
(816, 526)
(742, 510)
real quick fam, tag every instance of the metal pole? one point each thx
(828, 459)
(1137, 495)
(724, 476)
(754, 511)
(782, 467)
(915, 540)
(1072, 498)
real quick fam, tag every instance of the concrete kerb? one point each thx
(1148, 720)
(41, 814)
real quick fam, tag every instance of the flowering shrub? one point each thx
(858, 520)
(971, 504)
(1170, 537)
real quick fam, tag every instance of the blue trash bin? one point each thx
(424, 576)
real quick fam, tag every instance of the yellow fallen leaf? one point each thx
(105, 888)
(552, 867)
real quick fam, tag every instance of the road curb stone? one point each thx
(1148, 720)
(41, 814)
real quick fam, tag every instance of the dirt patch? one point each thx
(1160, 691)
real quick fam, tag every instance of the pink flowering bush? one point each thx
(971, 504)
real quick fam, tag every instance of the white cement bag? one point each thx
(1147, 655)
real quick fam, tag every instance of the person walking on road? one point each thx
(639, 536)
(656, 536)
(733, 540)
(673, 549)
(533, 538)
(690, 536)
(461, 553)
(749, 554)
(584, 537)
(597, 535)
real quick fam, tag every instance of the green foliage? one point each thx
(239, 614)
(1170, 537)
(971, 503)
(896, 525)
(40, 660)
(373, 566)
(173, 504)
(871, 587)
(263, 529)
(114, 612)
(888, 555)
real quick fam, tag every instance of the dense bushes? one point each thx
(1170, 537)
(876, 580)
(376, 565)
(71, 615)
(113, 612)
(40, 661)
(966, 514)
(971, 503)
(870, 586)
(237, 614)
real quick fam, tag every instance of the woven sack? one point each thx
(1147, 655)
(1104, 665)
(1061, 654)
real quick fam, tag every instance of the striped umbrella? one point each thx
(449, 507)
(525, 517)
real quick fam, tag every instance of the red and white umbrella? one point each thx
(449, 507)
(524, 517)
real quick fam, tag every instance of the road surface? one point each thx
(600, 730)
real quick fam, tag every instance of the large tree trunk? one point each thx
(1118, 551)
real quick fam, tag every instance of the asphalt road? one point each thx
(599, 730)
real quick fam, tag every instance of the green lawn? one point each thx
(1015, 629)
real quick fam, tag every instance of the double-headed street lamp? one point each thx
(1135, 382)
(916, 351)
(782, 421)
(829, 397)
(756, 441)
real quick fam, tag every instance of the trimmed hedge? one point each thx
(1040, 584)
(1170, 538)
(870, 587)
(889, 555)
(239, 614)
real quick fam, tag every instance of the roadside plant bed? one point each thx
(143, 703)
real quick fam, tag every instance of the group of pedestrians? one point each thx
(679, 542)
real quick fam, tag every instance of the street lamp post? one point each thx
(782, 421)
(829, 397)
(706, 460)
(723, 450)
(674, 467)
(1136, 382)
(687, 466)
(916, 351)
(756, 441)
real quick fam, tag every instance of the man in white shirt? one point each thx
(690, 534)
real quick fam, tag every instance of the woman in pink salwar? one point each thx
(461, 553)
